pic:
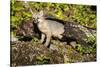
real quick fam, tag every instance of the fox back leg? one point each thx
(60, 36)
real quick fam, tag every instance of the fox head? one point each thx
(38, 16)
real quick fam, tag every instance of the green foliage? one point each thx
(86, 50)
(18, 13)
(42, 59)
(35, 40)
(82, 14)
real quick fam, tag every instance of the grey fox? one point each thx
(48, 28)
(53, 28)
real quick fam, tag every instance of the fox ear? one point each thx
(41, 13)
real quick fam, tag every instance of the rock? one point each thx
(35, 53)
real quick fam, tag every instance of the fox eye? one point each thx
(33, 18)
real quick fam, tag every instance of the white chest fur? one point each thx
(42, 25)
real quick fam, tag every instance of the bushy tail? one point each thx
(79, 32)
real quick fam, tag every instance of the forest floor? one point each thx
(35, 53)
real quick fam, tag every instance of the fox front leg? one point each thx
(42, 38)
(48, 37)
(60, 36)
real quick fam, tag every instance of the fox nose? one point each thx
(35, 21)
